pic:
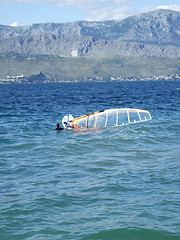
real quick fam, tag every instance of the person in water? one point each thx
(58, 128)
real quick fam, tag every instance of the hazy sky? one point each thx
(26, 12)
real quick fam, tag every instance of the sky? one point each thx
(27, 12)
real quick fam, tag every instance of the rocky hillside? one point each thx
(153, 34)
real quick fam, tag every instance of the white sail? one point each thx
(111, 117)
(67, 121)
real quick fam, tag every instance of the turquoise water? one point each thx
(114, 183)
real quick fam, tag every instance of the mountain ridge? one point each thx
(153, 34)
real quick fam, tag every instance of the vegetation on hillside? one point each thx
(85, 69)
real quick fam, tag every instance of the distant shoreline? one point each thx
(23, 69)
(39, 79)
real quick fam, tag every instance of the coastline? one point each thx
(41, 78)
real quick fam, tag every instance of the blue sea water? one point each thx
(114, 183)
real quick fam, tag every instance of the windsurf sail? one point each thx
(107, 118)
(67, 121)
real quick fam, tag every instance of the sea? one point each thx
(112, 183)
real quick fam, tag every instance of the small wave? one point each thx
(132, 234)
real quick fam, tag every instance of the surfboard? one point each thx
(107, 118)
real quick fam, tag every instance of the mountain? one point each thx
(153, 34)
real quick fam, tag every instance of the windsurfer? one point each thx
(58, 128)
